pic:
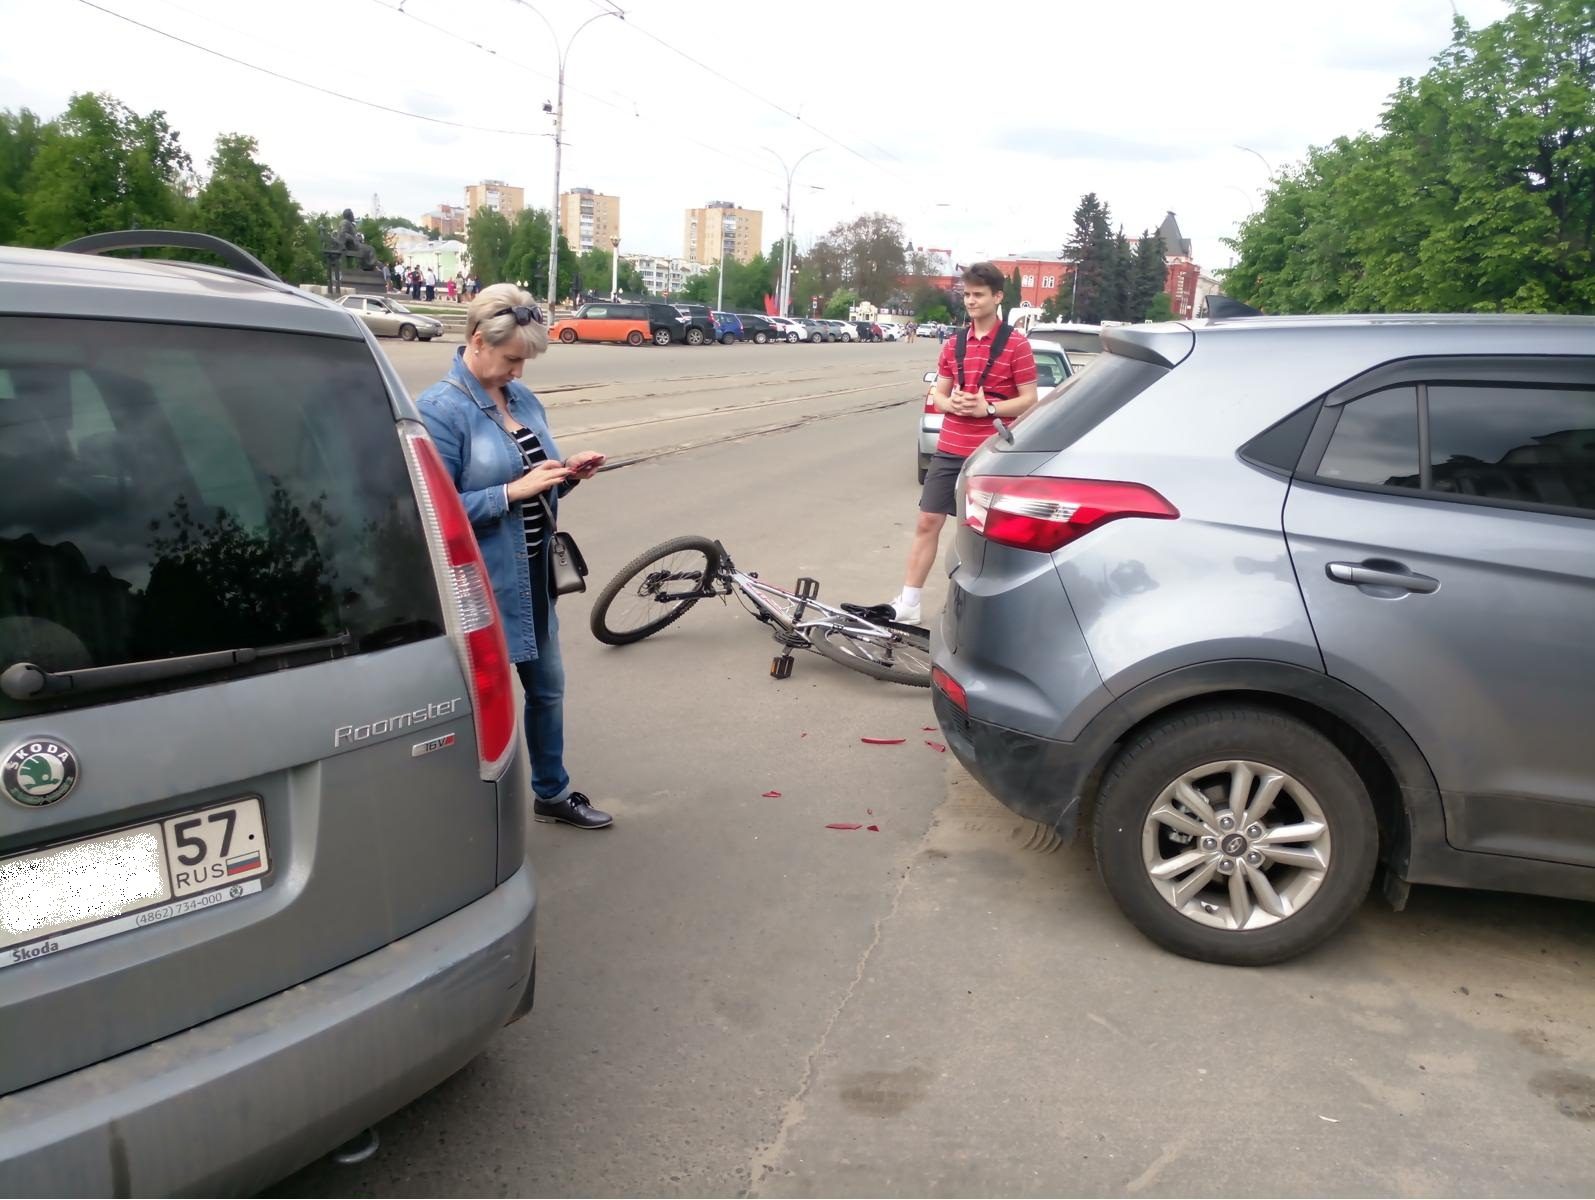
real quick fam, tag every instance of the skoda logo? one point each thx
(39, 772)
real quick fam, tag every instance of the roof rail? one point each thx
(235, 257)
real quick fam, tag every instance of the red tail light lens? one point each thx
(469, 610)
(930, 401)
(949, 687)
(1035, 513)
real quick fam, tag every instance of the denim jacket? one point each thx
(481, 457)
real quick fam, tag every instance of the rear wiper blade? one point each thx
(29, 681)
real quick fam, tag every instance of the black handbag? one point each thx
(567, 569)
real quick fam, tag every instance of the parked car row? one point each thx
(659, 322)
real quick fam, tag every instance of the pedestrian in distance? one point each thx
(431, 280)
(451, 290)
(985, 373)
(492, 434)
(910, 331)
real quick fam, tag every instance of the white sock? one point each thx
(910, 596)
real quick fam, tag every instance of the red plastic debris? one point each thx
(844, 825)
(772, 795)
(927, 729)
(873, 828)
(937, 746)
(883, 741)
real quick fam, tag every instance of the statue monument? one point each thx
(345, 245)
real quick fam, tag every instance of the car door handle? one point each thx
(1389, 575)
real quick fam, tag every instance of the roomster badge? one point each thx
(40, 771)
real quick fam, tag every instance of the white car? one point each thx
(890, 331)
(1053, 369)
(844, 332)
(790, 329)
(1082, 343)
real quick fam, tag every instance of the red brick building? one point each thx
(1183, 272)
(1040, 279)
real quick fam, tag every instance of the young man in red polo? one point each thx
(984, 373)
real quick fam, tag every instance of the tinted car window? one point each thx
(1375, 441)
(1081, 404)
(173, 490)
(1533, 445)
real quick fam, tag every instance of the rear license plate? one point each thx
(90, 889)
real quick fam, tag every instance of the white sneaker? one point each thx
(904, 614)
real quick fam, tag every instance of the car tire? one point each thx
(694, 337)
(408, 333)
(1310, 885)
(791, 338)
(760, 338)
(567, 336)
(635, 338)
(661, 337)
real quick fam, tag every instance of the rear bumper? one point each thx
(236, 1103)
(1037, 778)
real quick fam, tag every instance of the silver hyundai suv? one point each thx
(263, 877)
(1287, 599)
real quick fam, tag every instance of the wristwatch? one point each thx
(991, 409)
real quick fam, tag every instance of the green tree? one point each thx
(1159, 308)
(488, 241)
(1475, 193)
(1148, 276)
(840, 304)
(1012, 293)
(1089, 249)
(21, 135)
(926, 298)
(243, 202)
(101, 167)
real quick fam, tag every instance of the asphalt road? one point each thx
(734, 999)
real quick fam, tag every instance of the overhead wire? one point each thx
(315, 87)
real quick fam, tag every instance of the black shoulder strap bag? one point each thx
(998, 343)
(567, 569)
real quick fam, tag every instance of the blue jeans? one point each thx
(544, 682)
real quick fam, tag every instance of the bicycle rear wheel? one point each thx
(904, 658)
(654, 589)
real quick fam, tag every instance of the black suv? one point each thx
(701, 329)
(757, 328)
(666, 322)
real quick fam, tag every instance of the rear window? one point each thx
(1081, 404)
(175, 490)
(1050, 371)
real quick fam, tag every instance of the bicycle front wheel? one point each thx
(654, 589)
(902, 658)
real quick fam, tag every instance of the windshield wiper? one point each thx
(29, 681)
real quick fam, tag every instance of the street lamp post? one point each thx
(614, 268)
(784, 292)
(559, 135)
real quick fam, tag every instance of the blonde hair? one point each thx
(496, 330)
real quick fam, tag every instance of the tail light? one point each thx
(1036, 513)
(930, 401)
(469, 611)
(951, 688)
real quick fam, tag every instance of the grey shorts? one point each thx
(940, 493)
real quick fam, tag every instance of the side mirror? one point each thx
(930, 376)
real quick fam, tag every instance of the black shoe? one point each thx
(575, 810)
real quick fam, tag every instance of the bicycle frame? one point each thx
(788, 609)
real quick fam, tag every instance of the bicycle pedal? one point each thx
(807, 588)
(781, 667)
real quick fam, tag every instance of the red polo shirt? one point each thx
(1013, 368)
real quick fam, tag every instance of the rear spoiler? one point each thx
(1165, 344)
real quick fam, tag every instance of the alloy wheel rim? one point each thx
(1236, 845)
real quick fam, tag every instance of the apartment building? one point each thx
(663, 276)
(497, 195)
(719, 230)
(588, 218)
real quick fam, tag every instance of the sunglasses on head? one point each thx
(524, 314)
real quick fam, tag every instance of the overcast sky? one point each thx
(977, 125)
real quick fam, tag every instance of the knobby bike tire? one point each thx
(631, 575)
(834, 644)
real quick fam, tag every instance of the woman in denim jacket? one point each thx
(493, 436)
